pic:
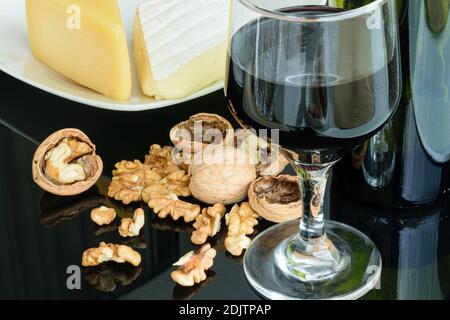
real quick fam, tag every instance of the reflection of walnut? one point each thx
(131, 227)
(171, 205)
(207, 224)
(192, 266)
(110, 252)
(177, 182)
(103, 215)
(160, 160)
(106, 277)
(129, 179)
(240, 221)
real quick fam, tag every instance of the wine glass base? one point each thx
(262, 266)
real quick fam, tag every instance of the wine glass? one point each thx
(327, 79)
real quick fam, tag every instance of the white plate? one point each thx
(16, 60)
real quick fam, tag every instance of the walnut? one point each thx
(131, 227)
(199, 131)
(176, 208)
(160, 160)
(103, 215)
(132, 177)
(66, 163)
(192, 266)
(154, 191)
(110, 252)
(240, 221)
(177, 182)
(129, 179)
(277, 199)
(223, 177)
(207, 224)
(270, 158)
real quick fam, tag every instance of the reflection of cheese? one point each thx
(83, 40)
(180, 45)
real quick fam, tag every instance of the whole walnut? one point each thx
(222, 176)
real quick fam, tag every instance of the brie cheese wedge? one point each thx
(180, 45)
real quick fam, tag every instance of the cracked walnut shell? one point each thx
(129, 179)
(103, 215)
(130, 227)
(176, 208)
(207, 224)
(66, 163)
(277, 199)
(110, 252)
(241, 221)
(192, 266)
(199, 131)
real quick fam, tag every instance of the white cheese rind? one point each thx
(180, 45)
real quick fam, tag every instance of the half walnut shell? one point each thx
(66, 163)
(277, 199)
(201, 130)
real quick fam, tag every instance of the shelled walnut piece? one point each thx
(170, 205)
(241, 221)
(66, 163)
(177, 182)
(207, 224)
(130, 227)
(103, 215)
(192, 266)
(160, 160)
(129, 179)
(110, 252)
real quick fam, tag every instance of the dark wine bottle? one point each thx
(407, 164)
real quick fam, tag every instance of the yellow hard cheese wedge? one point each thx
(180, 46)
(83, 40)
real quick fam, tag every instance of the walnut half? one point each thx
(192, 266)
(103, 215)
(129, 179)
(176, 208)
(66, 163)
(240, 221)
(131, 227)
(160, 160)
(110, 252)
(207, 224)
(277, 199)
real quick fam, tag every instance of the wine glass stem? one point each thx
(314, 180)
(310, 255)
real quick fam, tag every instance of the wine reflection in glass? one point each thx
(328, 79)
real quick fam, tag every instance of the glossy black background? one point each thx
(415, 245)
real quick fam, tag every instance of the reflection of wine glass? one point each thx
(328, 80)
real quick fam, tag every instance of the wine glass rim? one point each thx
(334, 16)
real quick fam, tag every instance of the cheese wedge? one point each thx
(83, 40)
(180, 45)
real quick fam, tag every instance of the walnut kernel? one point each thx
(192, 266)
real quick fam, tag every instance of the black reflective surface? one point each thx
(42, 235)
